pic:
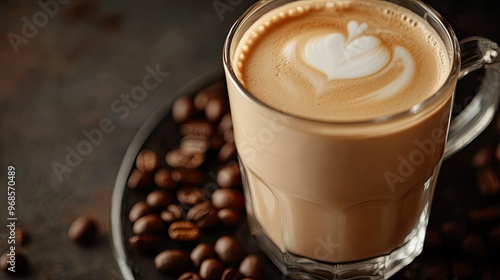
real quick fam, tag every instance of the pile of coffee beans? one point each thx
(469, 247)
(185, 199)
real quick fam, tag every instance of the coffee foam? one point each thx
(341, 60)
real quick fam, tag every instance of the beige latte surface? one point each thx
(341, 60)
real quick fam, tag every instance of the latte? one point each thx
(341, 60)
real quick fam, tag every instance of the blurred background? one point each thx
(68, 65)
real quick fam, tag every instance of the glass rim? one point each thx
(452, 76)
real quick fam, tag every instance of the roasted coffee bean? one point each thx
(139, 180)
(226, 123)
(147, 161)
(145, 242)
(462, 269)
(494, 236)
(183, 109)
(229, 136)
(187, 176)
(433, 239)
(488, 181)
(202, 98)
(200, 253)
(483, 157)
(22, 236)
(159, 199)
(139, 209)
(203, 215)
(172, 261)
(437, 271)
(485, 215)
(229, 176)
(195, 144)
(229, 250)
(211, 269)
(21, 262)
(163, 179)
(83, 230)
(179, 159)
(149, 224)
(453, 230)
(216, 108)
(217, 141)
(190, 195)
(184, 231)
(231, 274)
(252, 266)
(198, 127)
(474, 245)
(189, 276)
(227, 152)
(227, 198)
(229, 217)
(172, 214)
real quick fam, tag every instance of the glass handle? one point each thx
(477, 53)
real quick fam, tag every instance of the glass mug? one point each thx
(320, 201)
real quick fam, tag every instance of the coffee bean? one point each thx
(229, 250)
(488, 181)
(22, 237)
(145, 243)
(195, 144)
(216, 108)
(187, 176)
(159, 199)
(437, 271)
(200, 253)
(139, 209)
(252, 266)
(483, 157)
(227, 152)
(217, 141)
(211, 269)
(83, 230)
(183, 109)
(179, 159)
(163, 179)
(462, 268)
(229, 136)
(485, 215)
(231, 274)
(190, 195)
(433, 239)
(172, 261)
(474, 245)
(147, 161)
(494, 236)
(203, 215)
(189, 276)
(226, 123)
(227, 198)
(139, 180)
(184, 231)
(202, 98)
(229, 217)
(149, 224)
(21, 262)
(229, 176)
(453, 230)
(198, 127)
(172, 214)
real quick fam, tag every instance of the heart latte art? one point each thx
(343, 60)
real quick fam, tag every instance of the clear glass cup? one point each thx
(351, 200)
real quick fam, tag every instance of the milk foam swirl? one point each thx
(356, 56)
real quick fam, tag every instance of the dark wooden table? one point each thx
(66, 71)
